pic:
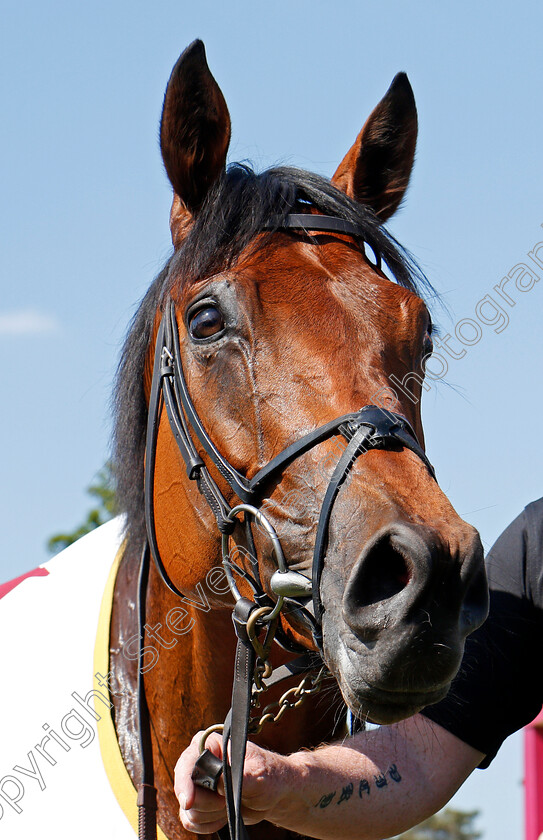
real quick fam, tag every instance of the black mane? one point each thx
(235, 210)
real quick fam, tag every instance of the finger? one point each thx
(184, 787)
(205, 815)
(187, 758)
(206, 800)
(250, 816)
(198, 827)
(208, 809)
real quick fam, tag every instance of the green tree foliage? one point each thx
(446, 825)
(103, 491)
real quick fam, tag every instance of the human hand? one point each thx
(265, 785)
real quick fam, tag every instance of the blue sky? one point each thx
(85, 205)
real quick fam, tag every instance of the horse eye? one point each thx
(428, 345)
(206, 322)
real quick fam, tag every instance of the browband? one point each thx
(309, 221)
(322, 224)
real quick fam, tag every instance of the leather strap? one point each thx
(323, 224)
(237, 482)
(147, 795)
(176, 395)
(237, 721)
(372, 428)
(153, 420)
(301, 665)
(310, 221)
(351, 453)
(299, 447)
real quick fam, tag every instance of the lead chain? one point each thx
(291, 699)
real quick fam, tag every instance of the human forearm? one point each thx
(369, 787)
(374, 785)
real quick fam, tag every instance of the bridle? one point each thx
(371, 427)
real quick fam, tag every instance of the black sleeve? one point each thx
(499, 687)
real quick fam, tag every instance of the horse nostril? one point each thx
(406, 577)
(384, 573)
(387, 582)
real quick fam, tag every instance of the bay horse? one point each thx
(270, 323)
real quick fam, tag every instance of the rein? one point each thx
(369, 428)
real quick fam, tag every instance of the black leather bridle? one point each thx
(371, 427)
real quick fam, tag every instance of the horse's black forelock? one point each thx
(235, 210)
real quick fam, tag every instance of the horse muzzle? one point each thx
(408, 604)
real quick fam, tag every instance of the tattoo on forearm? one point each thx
(325, 800)
(346, 793)
(364, 787)
(393, 773)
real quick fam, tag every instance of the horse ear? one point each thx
(194, 133)
(376, 169)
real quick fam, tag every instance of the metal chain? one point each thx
(291, 699)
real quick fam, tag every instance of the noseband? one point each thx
(371, 427)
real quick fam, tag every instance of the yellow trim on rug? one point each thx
(117, 774)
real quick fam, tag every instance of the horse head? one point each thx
(282, 330)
